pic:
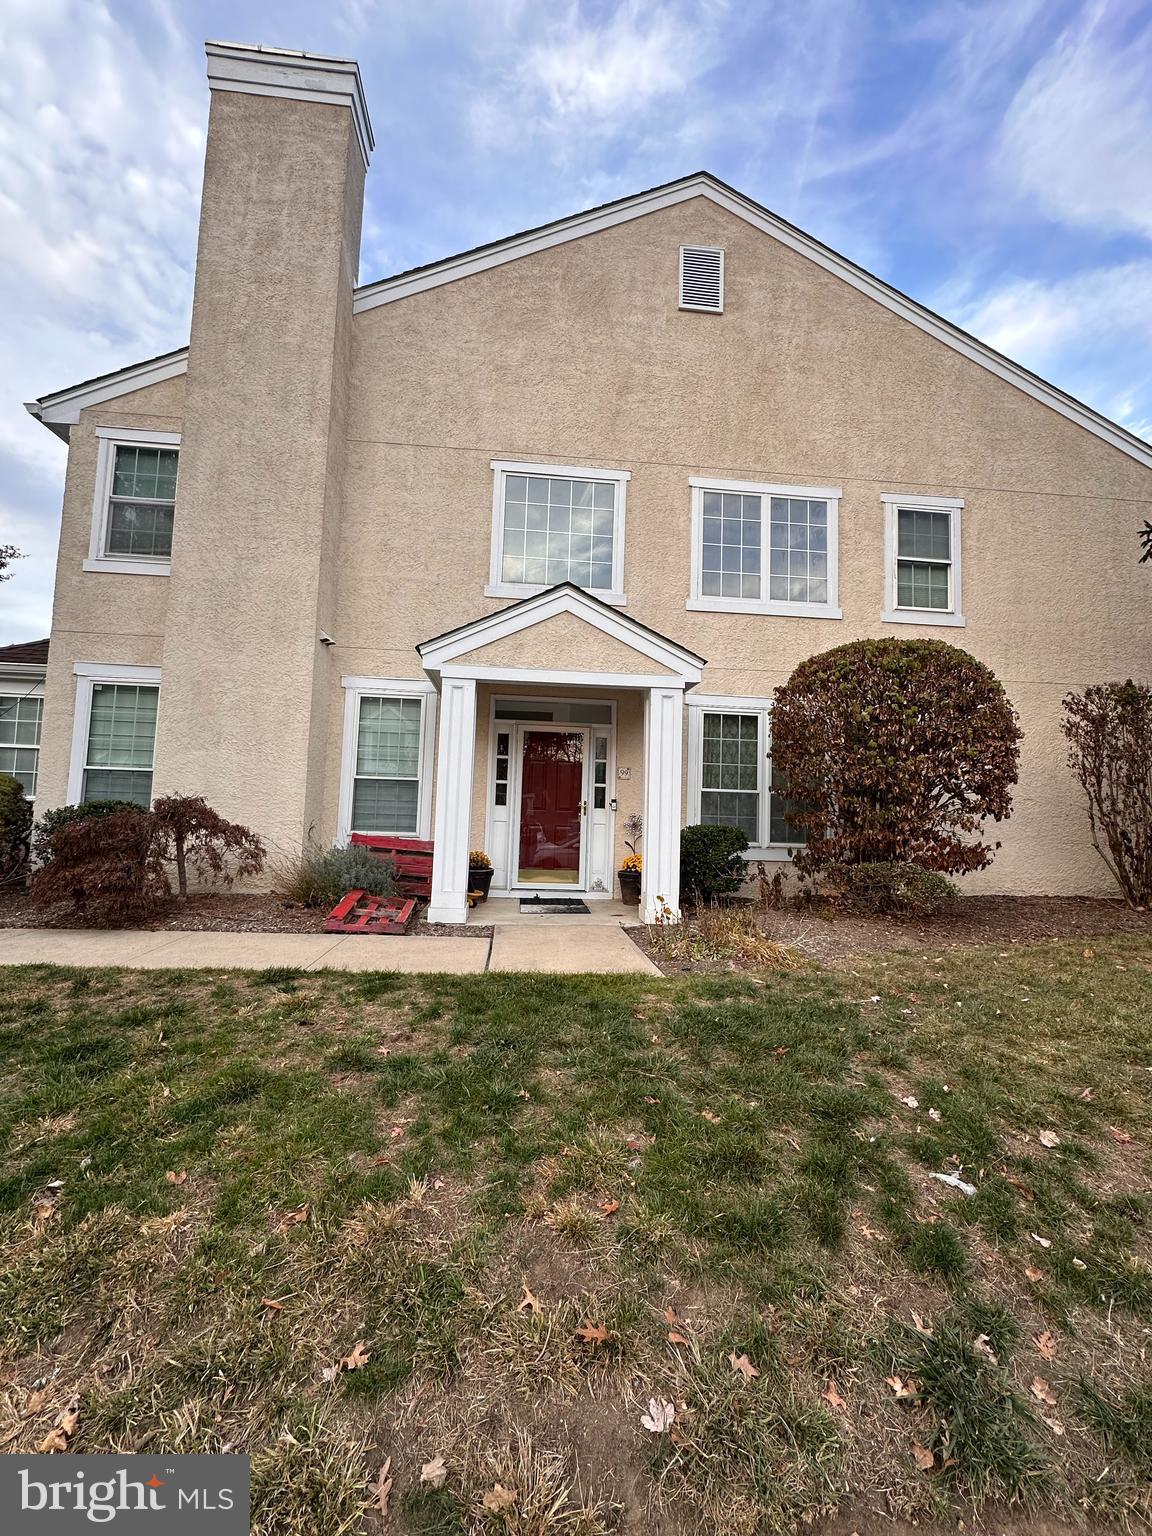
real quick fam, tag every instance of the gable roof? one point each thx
(32, 654)
(565, 597)
(63, 407)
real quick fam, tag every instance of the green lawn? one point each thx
(511, 1191)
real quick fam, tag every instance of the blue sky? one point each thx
(993, 158)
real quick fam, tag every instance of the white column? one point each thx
(453, 819)
(663, 757)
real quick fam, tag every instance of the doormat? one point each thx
(553, 906)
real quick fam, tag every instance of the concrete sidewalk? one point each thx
(535, 946)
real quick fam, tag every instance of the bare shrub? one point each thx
(1109, 731)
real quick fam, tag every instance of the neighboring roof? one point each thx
(564, 597)
(30, 653)
(403, 285)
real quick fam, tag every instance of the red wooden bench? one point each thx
(411, 856)
(357, 912)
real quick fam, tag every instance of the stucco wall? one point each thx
(564, 642)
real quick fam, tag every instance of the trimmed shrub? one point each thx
(110, 867)
(65, 815)
(319, 877)
(15, 829)
(887, 890)
(192, 833)
(897, 752)
(1109, 731)
(711, 862)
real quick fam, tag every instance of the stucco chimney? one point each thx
(244, 683)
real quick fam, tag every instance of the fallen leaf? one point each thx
(593, 1333)
(1079, 1264)
(397, 1130)
(43, 1211)
(983, 1346)
(911, 1102)
(1034, 1274)
(1088, 1095)
(1089, 953)
(660, 1416)
(62, 1431)
(1122, 1137)
(1042, 1391)
(831, 1395)
(434, 1473)
(706, 1114)
(648, 1099)
(920, 1325)
(295, 1218)
(904, 1390)
(1048, 1139)
(382, 1487)
(1045, 1242)
(274, 1306)
(608, 1207)
(498, 1499)
(357, 1357)
(743, 1365)
(677, 1338)
(529, 1303)
(172, 1177)
(670, 1314)
(924, 1458)
(35, 1402)
(1053, 1424)
(1045, 1345)
(871, 1233)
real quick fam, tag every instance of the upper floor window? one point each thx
(922, 545)
(764, 548)
(551, 523)
(20, 717)
(135, 502)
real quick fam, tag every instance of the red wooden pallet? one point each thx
(411, 857)
(357, 912)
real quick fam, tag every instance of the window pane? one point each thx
(141, 530)
(921, 586)
(725, 809)
(149, 472)
(780, 829)
(388, 743)
(798, 543)
(20, 720)
(122, 729)
(118, 784)
(730, 548)
(923, 535)
(385, 805)
(570, 529)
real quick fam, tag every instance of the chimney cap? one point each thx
(257, 70)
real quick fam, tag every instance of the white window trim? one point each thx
(698, 603)
(953, 615)
(721, 704)
(87, 673)
(357, 688)
(109, 439)
(14, 681)
(502, 468)
(701, 309)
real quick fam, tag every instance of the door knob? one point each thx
(583, 807)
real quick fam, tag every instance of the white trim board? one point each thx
(56, 410)
(260, 71)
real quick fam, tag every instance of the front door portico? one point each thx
(557, 828)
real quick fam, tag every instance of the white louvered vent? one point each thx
(702, 278)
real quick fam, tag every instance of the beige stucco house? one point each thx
(504, 549)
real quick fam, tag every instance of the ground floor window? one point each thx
(730, 772)
(387, 757)
(121, 743)
(20, 717)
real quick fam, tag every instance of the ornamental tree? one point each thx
(192, 833)
(895, 751)
(1109, 731)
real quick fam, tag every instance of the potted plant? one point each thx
(479, 873)
(631, 865)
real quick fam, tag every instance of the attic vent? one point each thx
(702, 278)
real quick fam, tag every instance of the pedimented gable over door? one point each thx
(564, 641)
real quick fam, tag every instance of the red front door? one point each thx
(551, 807)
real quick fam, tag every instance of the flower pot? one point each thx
(629, 886)
(480, 880)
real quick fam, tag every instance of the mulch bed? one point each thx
(215, 912)
(993, 920)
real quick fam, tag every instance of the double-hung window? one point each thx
(20, 716)
(114, 733)
(764, 548)
(922, 544)
(552, 524)
(135, 503)
(730, 774)
(388, 728)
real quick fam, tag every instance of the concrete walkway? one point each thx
(533, 946)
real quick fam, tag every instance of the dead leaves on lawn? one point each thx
(593, 1333)
(742, 1366)
(434, 1473)
(295, 1218)
(381, 1489)
(62, 1431)
(355, 1360)
(529, 1302)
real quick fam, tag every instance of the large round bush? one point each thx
(897, 751)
